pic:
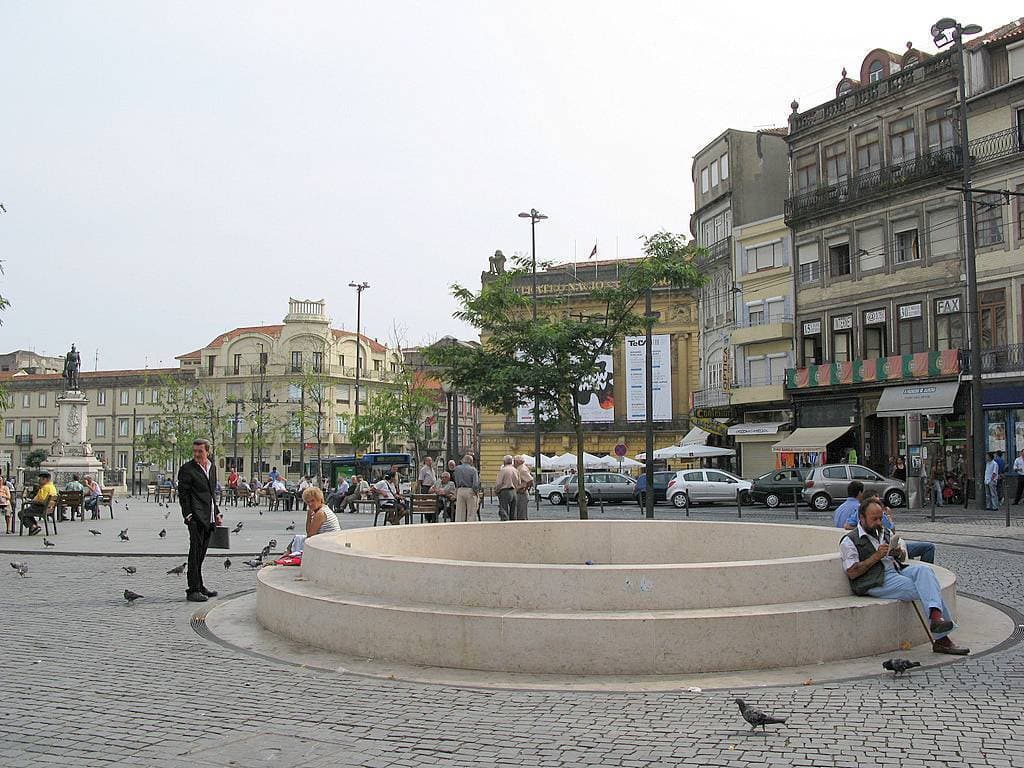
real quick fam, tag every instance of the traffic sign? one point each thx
(620, 450)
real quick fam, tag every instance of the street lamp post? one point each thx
(649, 405)
(534, 216)
(948, 31)
(360, 287)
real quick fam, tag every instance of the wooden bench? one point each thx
(71, 500)
(424, 505)
(151, 491)
(107, 500)
(50, 513)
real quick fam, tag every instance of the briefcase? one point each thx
(220, 538)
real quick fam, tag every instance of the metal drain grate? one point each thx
(1018, 632)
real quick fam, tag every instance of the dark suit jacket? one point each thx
(196, 491)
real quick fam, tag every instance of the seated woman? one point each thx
(444, 488)
(93, 494)
(319, 519)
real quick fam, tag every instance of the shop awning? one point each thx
(695, 436)
(1003, 397)
(809, 439)
(933, 399)
(749, 430)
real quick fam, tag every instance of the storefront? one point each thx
(1004, 418)
(754, 446)
(810, 446)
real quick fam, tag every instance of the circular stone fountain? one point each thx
(660, 597)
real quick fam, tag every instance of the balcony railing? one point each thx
(866, 186)
(720, 250)
(754, 322)
(1005, 359)
(23, 439)
(278, 369)
(997, 145)
(710, 396)
(766, 380)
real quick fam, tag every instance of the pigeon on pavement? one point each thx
(22, 569)
(272, 543)
(163, 532)
(48, 543)
(129, 569)
(131, 597)
(265, 552)
(94, 532)
(899, 666)
(254, 563)
(756, 717)
(17, 564)
(238, 527)
(178, 569)
(227, 563)
(167, 513)
(123, 535)
(290, 527)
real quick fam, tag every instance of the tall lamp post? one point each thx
(649, 318)
(945, 32)
(360, 287)
(534, 216)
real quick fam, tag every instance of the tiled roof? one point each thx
(1003, 34)
(86, 375)
(274, 331)
(781, 130)
(373, 344)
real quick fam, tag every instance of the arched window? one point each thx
(845, 87)
(875, 72)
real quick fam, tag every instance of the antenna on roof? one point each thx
(96, 360)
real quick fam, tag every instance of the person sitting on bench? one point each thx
(46, 494)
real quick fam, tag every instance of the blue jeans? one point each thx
(924, 550)
(915, 582)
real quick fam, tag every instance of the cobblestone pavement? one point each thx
(90, 681)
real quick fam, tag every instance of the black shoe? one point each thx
(196, 597)
(949, 647)
(209, 592)
(940, 627)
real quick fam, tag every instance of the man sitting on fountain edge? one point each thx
(877, 568)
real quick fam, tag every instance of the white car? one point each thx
(692, 487)
(555, 490)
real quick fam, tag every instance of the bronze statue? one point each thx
(72, 365)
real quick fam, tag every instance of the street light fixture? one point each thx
(534, 216)
(360, 287)
(947, 31)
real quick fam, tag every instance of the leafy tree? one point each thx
(315, 387)
(555, 356)
(36, 457)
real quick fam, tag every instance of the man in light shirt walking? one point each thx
(467, 483)
(505, 487)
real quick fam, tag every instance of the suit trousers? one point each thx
(522, 504)
(507, 504)
(198, 542)
(465, 504)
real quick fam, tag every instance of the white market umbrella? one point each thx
(692, 451)
(545, 461)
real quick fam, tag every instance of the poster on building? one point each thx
(636, 377)
(596, 397)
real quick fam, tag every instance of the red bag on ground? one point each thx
(289, 560)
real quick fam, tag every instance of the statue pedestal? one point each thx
(70, 451)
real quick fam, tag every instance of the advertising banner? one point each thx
(636, 378)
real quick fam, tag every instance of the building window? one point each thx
(806, 172)
(341, 360)
(839, 259)
(704, 180)
(842, 338)
(264, 359)
(125, 397)
(835, 162)
(1020, 210)
(363, 396)
(811, 342)
(9, 428)
(757, 371)
(993, 318)
(376, 365)
(101, 397)
(871, 249)
(140, 397)
(943, 232)
(42, 399)
(318, 362)
(122, 459)
(296, 362)
(905, 246)
(724, 162)
(988, 219)
(875, 334)
(341, 425)
(26, 400)
(124, 427)
(342, 393)
(100, 428)
(755, 314)
(949, 324)
(775, 310)
(910, 329)
(869, 157)
(26, 428)
(902, 146)
(210, 363)
(810, 269)
(294, 393)
(939, 128)
(876, 71)
(767, 256)
(154, 396)
(140, 426)
(845, 87)
(236, 364)
(714, 173)
(40, 427)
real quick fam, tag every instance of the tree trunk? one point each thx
(581, 497)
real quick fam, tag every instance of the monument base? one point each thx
(62, 468)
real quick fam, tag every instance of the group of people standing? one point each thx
(458, 489)
(513, 486)
(995, 477)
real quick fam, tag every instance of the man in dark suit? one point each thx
(197, 480)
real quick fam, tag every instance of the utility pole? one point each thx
(534, 216)
(649, 405)
(234, 435)
(360, 287)
(302, 430)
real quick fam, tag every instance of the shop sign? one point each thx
(843, 323)
(813, 328)
(710, 425)
(947, 306)
(874, 317)
(910, 311)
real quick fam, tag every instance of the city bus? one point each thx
(371, 466)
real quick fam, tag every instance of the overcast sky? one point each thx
(172, 170)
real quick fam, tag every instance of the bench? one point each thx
(107, 500)
(70, 500)
(424, 505)
(151, 491)
(49, 513)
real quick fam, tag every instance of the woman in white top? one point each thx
(319, 518)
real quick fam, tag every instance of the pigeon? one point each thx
(272, 543)
(167, 514)
(123, 535)
(48, 543)
(254, 563)
(22, 569)
(756, 717)
(899, 666)
(227, 563)
(238, 527)
(94, 532)
(290, 527)
(129, 569)
(163, 533)
(17, 564)
(131, 597)
(126, 509)
(178, 569)
(265, 551)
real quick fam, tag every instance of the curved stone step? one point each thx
(586, 642)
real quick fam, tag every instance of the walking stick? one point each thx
(924, 624)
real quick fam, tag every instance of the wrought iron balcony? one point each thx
(891, 179)
(720, 250)
(710, 396)
(23, 439)
(1004, 359)
(997, 145)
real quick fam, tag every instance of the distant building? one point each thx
(24, 361)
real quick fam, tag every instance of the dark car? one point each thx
(661, 481)
(780, 486)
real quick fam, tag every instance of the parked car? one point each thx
(700, 486)
(780, 486)
(602, 486)
(555, 490)
(826, 485)
(661, 481)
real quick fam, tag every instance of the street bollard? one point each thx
(933, 502)
(796, 506)
(687, 497)
(739, 505)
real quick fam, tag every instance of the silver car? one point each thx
(826, 485)
(700, 486)
(602, 486)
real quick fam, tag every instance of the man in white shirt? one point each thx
(991, 483)
(1018, 470)
(874, 558)
(426, 478)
